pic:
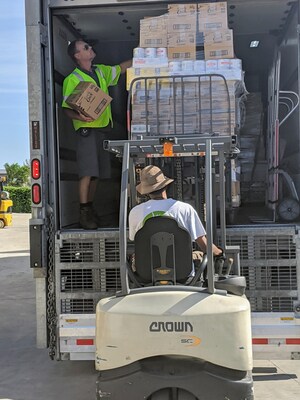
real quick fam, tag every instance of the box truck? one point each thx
(74, 268)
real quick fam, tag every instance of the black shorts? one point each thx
(92, 159)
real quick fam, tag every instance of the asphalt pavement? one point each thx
(27, 373)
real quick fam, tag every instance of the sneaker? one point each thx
(86, 220)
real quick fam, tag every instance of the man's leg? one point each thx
(92, 189)
(86, 220)
(84, 189)
(87, 160)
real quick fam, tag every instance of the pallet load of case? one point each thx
(176, 108)
(161, 106)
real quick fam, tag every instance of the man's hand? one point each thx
(219, 261)
(84, 118)
(77, 115)
(124, 65)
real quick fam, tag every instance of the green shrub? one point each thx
(21, 197)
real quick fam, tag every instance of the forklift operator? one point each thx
(93, 161)
(154, 184)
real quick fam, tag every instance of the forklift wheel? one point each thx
(172, 393)
(289, 209)
(2, 224)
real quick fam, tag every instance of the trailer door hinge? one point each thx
(43, 35)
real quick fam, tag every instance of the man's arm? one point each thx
(124, 65)
(202, 242)
(72, 114)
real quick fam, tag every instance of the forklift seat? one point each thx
(163, 252)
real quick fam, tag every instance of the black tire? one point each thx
(2, 224)
(289, 209)
(172, 394)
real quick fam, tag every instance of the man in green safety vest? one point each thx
(93, 161)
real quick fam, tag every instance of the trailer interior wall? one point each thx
(289, 81)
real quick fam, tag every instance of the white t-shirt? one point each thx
(184, 214)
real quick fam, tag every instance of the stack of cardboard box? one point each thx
(177, 108)
(218, 39)
(167, 106)
(182, 28)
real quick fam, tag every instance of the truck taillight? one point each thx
(35, 168)
(36, 193)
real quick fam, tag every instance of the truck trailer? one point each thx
(74, 268)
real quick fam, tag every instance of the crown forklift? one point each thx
(170, 338)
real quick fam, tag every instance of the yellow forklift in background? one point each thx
(5, 206)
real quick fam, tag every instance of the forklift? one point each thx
(164, 336)
(5, 206)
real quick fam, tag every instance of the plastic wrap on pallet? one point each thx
(179, 104)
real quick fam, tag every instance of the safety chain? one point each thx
(179, 182)
(51, 306)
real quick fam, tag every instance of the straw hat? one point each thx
(152, 179)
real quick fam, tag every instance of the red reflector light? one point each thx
(85, 342)
(36, 193)
(35, 169)
(259, 341)
(292, 341)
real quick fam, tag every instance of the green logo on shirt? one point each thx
(153, 214)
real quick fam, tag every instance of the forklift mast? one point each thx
(206, 149)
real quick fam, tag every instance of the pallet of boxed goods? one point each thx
(176, 100)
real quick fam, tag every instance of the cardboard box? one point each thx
(183, 107)
(132, 73)
(153, 31)
(212, 10)
(218, 36)
(212, 16)
(153, 39)
(216, 51)
(155, 62)
(182, 53)
(151, 129)
(182, 9)
(189, 90)
(186, 23)
(154, 23)
(140, 97)
(139, 113)
(89, 100)
(218, 44)
(188, 127)
(176, 39)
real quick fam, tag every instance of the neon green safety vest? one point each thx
(108, 76)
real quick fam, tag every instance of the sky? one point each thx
(14, 133)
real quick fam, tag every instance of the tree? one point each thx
(17, 175)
